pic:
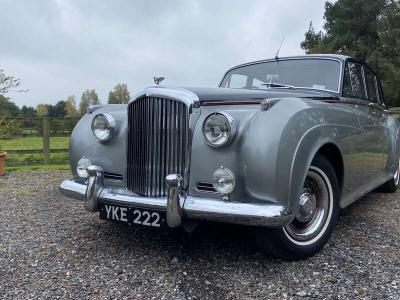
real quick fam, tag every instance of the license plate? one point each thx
(132, 215)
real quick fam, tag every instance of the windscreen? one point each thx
(322, 74)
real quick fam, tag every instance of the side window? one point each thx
(357, 82)
(371, 85)
(347, 92)
(238, 81)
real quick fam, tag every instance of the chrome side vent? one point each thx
(112, 176)
(158, 131)
(205, 187)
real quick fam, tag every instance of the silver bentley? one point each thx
(281, 145)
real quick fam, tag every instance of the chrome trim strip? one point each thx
(173, 93)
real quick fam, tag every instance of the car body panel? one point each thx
(273, 148)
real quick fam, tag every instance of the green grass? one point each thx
(36, 158)
(37, 167)
(34, 143)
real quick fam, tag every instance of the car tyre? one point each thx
(392, 185)
(318, 212)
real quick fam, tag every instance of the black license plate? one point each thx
(132, 215)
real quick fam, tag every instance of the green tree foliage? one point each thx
(368, 30)
(7, 106)
(58, 110)
(89, 97)
(120, 95)
(28, 112)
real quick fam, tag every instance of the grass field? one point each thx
(37, 167)
(33, 143)
(34, 161)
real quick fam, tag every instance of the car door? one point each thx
(378, 113)
(366, 110)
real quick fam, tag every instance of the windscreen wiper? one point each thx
(275, 84)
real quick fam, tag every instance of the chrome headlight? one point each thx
(103, 127)
(219, 129)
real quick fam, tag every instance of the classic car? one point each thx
(280, 146)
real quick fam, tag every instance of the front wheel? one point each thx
(317, 213)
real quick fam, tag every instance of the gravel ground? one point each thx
(50, 247)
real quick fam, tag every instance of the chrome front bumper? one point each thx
(177, 205)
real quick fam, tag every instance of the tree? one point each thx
(42, 110)
(57, 110)
(7, 106)
(120, 95)
(89, 97)
(7, 82)
(368, 30)
(70, 107)
(28, 112)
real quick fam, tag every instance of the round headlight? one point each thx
(103, 127)
(219, 129)
(223, 180)
(81, 167)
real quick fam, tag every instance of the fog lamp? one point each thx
(223, 180)
(81, 167)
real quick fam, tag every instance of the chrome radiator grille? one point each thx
(157, 144)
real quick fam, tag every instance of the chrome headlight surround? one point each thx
(103, 127)
(226, 130)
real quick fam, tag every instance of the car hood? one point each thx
(224, 94)
(243, 95)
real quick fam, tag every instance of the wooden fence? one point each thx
(40, 131)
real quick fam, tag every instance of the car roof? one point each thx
(323, 56)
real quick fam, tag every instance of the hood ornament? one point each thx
(157, 80)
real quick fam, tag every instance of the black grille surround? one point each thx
(158, 130)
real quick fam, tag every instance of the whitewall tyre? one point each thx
(316, 216)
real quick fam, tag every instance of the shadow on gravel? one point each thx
(209, 239)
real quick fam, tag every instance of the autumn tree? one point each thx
(120, 94)
(70, 107)
(368, 30)
(89, 97)
(42, 110)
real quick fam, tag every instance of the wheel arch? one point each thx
(322, 140)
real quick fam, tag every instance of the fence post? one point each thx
(46, 139)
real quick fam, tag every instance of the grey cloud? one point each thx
(62, 47)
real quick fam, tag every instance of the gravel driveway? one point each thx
(50, 247)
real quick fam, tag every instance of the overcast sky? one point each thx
(60, 48)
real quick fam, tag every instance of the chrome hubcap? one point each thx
(307, 207)
(314, 205)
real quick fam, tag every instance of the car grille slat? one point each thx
(156, 145)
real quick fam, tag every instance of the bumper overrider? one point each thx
(178, 206)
